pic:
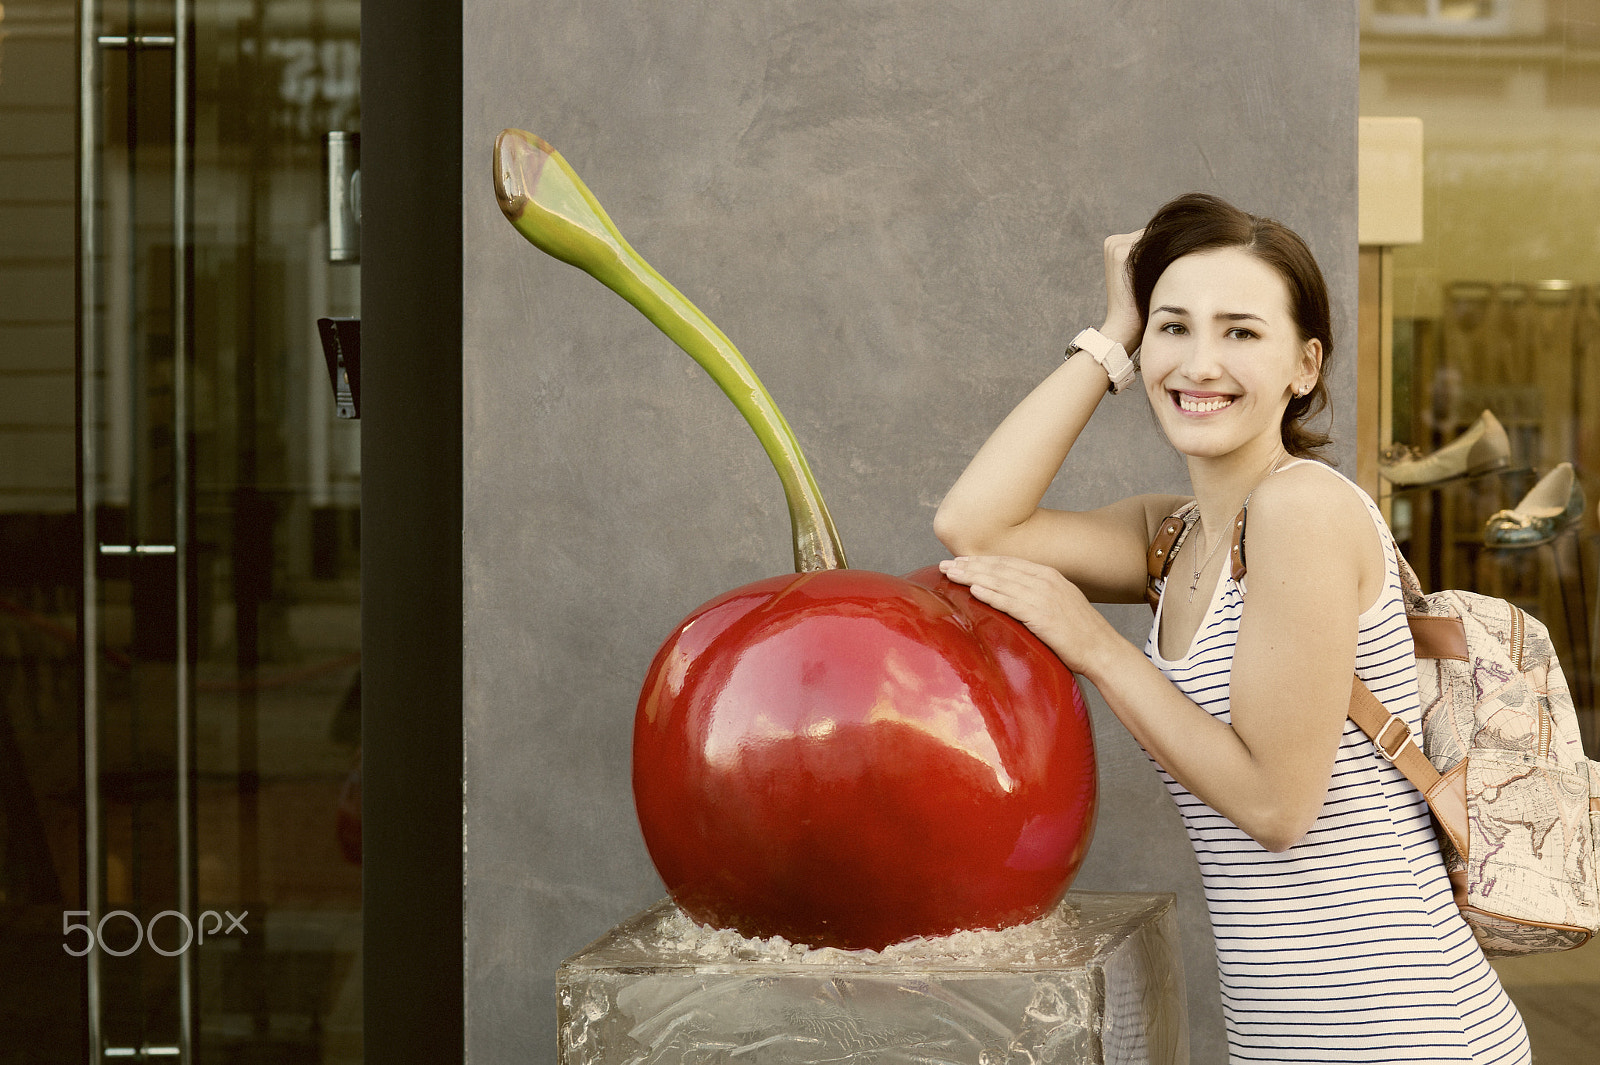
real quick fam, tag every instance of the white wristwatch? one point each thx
(1112, 357)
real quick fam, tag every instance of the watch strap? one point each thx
(1112, 357)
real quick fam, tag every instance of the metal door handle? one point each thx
(138, 549)
(139, 40)
(145, 1051)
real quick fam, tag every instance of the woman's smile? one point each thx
(1198, 404)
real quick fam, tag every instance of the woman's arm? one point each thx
(993, 508)
(1268, 771)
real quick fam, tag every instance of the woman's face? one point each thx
(1221, 353)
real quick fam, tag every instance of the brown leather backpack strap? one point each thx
(1168, 538)
(1238, 543)
(1446, 794)
(1158, 560)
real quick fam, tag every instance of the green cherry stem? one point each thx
(550, 205)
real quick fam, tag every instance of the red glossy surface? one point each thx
(848, 758)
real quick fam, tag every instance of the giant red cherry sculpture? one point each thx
(850, 758)
(837, 756)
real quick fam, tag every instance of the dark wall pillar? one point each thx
(411, 530)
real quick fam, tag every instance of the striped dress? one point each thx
(1347, 947)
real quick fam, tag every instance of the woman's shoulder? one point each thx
(1312, 500)
(1310, 482)
(1313, 523)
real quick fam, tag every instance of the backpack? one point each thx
(1501, 764)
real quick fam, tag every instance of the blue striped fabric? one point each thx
(1347, 947)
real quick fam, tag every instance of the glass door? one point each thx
(219, 503)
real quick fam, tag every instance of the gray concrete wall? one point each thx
(895, 210)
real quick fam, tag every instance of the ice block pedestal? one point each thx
(1100, 979)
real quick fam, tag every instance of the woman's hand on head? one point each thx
(1052, 607)
(1123, 323)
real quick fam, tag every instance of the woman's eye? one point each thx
(1240, 333)
(1175, 328)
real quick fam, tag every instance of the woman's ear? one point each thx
(1311, 362)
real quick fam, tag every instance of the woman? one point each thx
(1336, 934)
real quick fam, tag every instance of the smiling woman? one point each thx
(1332, 913)
(1286, 289)
(1223, 345)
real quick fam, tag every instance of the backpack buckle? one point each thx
(1399, 748)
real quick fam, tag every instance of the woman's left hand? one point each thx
(1052, 607)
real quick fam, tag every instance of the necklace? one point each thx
(1194, 585)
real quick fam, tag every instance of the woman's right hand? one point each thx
(1123, 323)
(1051, 607)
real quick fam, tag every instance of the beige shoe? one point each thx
(1549, 509)
(1483, 447)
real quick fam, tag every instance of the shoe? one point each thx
(1544, 513)
(1482, 447)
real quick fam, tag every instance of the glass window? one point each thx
(1496, 314)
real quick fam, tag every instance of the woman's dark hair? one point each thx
(1201, 222)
